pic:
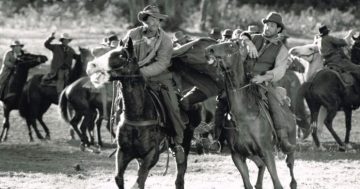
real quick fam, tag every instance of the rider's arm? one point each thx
(48, 44)
(338, 42)
(253, 53)
(162, 59)
(281, 64)
(6, 60)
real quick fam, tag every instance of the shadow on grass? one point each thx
(51, 158)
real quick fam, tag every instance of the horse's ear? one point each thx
(129, 46)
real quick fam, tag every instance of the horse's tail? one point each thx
(302, 115)
(63, 105)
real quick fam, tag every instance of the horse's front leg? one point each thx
(270, 164)
(6, 125)
(328, 122)
(121, 162)
(290, 161)
(145, 165)
(348, 116)
(240, 163)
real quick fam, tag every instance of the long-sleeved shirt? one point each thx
(62, 56)
(154, 53)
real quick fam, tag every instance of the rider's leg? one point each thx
(220, 111)
(172, 106)
(281, 119)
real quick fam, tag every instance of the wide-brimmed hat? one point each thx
(227, 32)
(274, 17)
(323, 30)
(65, 36)
(16, 43)
(107, 40)
(215, 31)
(153, 11)
(179, 35)
(253, 29)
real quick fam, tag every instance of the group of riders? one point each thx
(153, 49)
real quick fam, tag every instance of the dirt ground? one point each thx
(50, 164)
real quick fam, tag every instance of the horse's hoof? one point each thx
(342, 148)
(47, 137)
(31, 140)
(293, 185)
(348, 146)
(136, 186)
(82, 147)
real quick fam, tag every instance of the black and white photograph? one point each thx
(184, 94)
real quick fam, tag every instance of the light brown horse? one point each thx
(249, 132)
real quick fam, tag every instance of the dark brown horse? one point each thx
(37, 98)
(249, 132)
(139, 134)
(17, 81)
(79, 101)
(326, 90)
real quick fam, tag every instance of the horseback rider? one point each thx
(226, 35)
(110, 42)
(215, 33)
(153, 49)
(7, 69)
(180, 39)
(331, 51)
(61, 63)
(268, 58)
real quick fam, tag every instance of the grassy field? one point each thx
(50, 164)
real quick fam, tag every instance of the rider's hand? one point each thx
(253, 53)
(261, 78)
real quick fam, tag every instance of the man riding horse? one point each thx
(331, 51)
(153, 49)
(267, 61)
(8, 67)
(61, 63)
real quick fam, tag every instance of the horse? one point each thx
(78, 100)
(81, 100)
(248, 132)
(326, 90)
(17, 82)
(140, 133)
(37, 98)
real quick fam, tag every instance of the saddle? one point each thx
(346, 79)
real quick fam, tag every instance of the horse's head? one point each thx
(116, 63)
(226, 54)
(297, 66)
(305, 52)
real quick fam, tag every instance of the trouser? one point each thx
(280, 112)
(168, 95)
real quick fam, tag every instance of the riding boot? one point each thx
(285, 145)
(179, 154)
(220, 113)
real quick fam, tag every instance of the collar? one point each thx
(274, 40)
(144, 31)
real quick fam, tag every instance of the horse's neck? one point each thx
(135, 100)
(315, 65)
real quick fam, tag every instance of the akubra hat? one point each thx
(153, 11)
(323, 30)
(274, 17)
(16, 43)
(227, 32)
(65, 36)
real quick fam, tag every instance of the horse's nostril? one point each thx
(212, 51)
